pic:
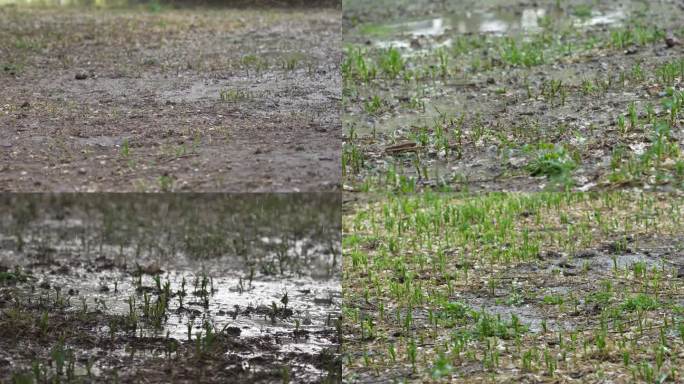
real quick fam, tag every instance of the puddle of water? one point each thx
(234, 302)
(607, 263)
(598, 18)
(529, 316)
(101, 141)
(431, 27)
(489, 22)
(269, 281)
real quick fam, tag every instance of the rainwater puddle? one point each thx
(408, 35)
(149, 280)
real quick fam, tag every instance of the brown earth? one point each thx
(195, 99)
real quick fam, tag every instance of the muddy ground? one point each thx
(190, 288)
(155, 98)
(514, 288)
(512, 95)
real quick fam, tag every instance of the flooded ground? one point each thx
(502, 288)
(159, 98)
(512, 95)
(182, 288)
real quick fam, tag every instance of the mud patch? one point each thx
(224, 288)
(508, 96)
(513, 287)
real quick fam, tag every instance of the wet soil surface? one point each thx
(512, 95)
(107, 289)
(147, 99)
(532, 288)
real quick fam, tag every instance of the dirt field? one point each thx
(170, 288)
(514, 288)
(511, 96)
(165, 99)
(511, 211)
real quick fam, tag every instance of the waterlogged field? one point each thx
(148, 97)
(532, 288)
(170, 288)
(513, 96)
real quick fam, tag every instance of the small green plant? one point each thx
(357, 67)
(59, 355)
(285, 373)
(43, 324)
(412, 353)
(125, 149)
(392, 63)
(353, 159)
(640, 302)
(669, 72)
(154, 6)
(165, 183)
(583, 11)
(622, 126)
(553, 162)
(442, 367)
(553, 299)
(290, 63)
(234, 95)
(526, 53)
(255, 62)
(633, 116)
(22, 378)
(373, 106)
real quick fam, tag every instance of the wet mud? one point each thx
(511, 96)
(190, 288)
(500, 288)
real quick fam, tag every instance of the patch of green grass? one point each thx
(621, 38)
(411, 256)
(669, 72)
(357, 66)
(652, 165)
(11, 68)
(374, 105)
(234, 95)
(640, 302)
(154, 6)
(391, 62)
(487, 325)
(353, 159)
(583, 11)
(376, 30)
(255, 62)
(292, 61)
(553, 299)
(552, 161)
(522, 53)
(442, 367)
(17, 276)
(165, 183)
(24, 43)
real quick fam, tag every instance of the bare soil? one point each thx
(504, 288)
(511, 95)
(190, 99)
